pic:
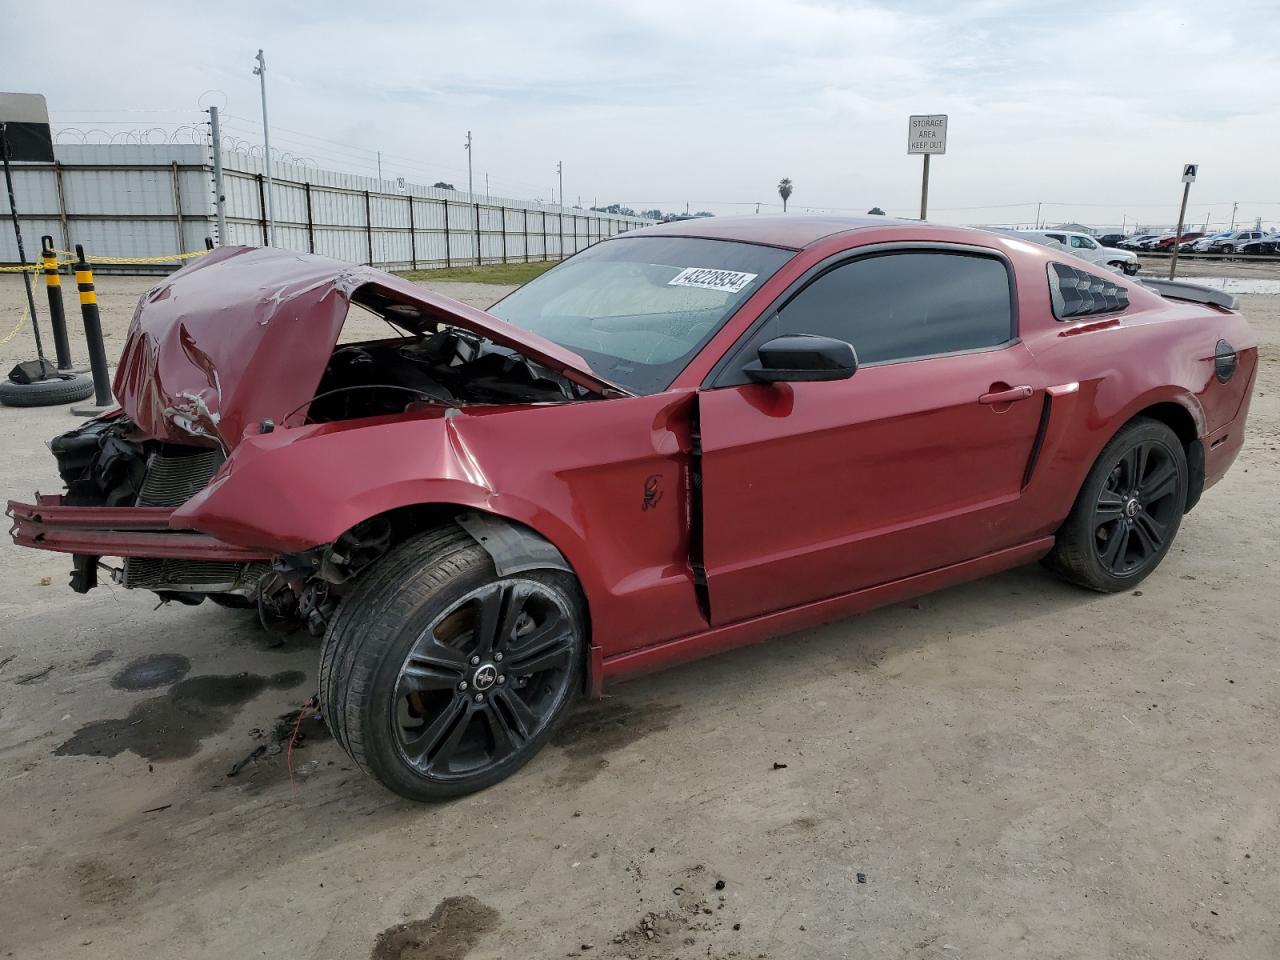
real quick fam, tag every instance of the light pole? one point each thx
(475, 207)
(260, 71)
(560, 174)
(468, 148)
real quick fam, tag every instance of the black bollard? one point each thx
(92, 329)
(58, 317)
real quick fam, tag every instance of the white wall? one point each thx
(122, 200)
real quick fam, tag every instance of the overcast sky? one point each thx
(659, 103)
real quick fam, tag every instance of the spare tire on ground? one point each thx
(68, 388)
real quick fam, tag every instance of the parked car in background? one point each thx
(1169, 241)
(677, 441)
(1087, 248)
(1268, 243)
(1133, 242)
(1234, 241)
(1111, 239)
(1204, 243)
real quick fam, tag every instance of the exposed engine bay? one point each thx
(449, 367)
(114, 463)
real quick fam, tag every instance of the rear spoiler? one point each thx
(1178, 290)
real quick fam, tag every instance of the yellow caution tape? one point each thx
(69, 258)
(31, 267)
(169, 258)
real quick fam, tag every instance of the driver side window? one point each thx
(1082, 243)
(902, 306)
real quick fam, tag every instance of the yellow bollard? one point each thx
(57, 316)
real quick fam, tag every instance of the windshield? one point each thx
(637, 309)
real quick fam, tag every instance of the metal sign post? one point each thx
(1189, 171)
(926, 134)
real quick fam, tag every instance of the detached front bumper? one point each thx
(116, 532)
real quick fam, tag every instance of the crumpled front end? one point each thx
(240, 335)
(245, 335)
(122, 489)
(229, 363)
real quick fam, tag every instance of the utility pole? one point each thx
(1235, 206)
(260, 71)
(486, 186)
(379, 169)
(1038, 202)
(475, 207)
(560, 216)
(470, 191)
(219, 195)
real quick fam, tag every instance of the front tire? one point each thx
(1127, 513)
(439, 677)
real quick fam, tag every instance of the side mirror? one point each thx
(799, 357)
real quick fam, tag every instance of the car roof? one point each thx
(776, 230)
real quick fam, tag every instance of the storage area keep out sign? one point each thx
(927, 134)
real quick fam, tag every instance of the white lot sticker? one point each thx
(730, 281)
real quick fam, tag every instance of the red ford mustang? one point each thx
(680, 440)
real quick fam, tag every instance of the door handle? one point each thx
(1007, 396)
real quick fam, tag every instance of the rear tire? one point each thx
(439, 677)
(1128, 511)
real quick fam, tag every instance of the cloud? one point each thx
(712, 102)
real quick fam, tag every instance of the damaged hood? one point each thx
(245, 333)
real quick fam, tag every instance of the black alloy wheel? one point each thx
(483, 679)
(1127, 512)
(439, 676)
(1136, 508)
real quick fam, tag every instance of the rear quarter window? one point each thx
(1078, 293)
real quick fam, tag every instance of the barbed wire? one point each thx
(157, 136)
(196, 133)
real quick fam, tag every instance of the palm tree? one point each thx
(784, 191)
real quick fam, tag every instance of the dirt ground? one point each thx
(1008, 769)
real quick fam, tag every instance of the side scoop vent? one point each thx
(1077, 293)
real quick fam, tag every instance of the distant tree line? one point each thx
(655, 214)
